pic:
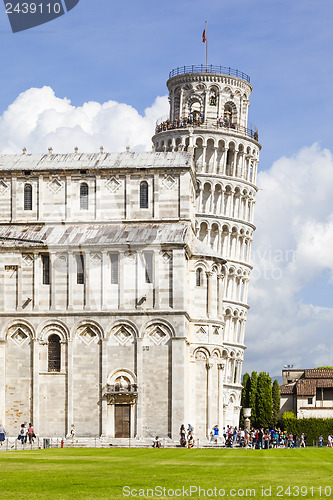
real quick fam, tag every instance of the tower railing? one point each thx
(202, 68)
(164, 124)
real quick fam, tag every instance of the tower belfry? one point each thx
(209, 117)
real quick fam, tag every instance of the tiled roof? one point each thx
(287, 389)
(74, 161)
(308, 387)
(319, 373)
(112, 234)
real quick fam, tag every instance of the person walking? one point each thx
(321, 440)
(31, 433)
(73, 433)
(2, 434)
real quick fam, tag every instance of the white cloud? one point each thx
(294, 215)
(288, 322)
(38, 119)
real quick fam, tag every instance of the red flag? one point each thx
(204, 36)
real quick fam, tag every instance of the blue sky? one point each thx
(123, 51)
(105, 49)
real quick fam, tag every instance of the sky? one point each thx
(96, 76)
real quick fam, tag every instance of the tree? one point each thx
(253, 397)
(276, 399)
(264, 403)
(245, 396)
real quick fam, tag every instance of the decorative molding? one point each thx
(113, 184)
(27, 259)
(159, 334)
(169, 182)
(123, 334)
(55, 185)
(3, 186)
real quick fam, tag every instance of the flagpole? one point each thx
(206, 48)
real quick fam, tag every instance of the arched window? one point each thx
(212, 97)
(198, 277)
(28, 197)
(144, 194)
(54, 354)
(84, 196)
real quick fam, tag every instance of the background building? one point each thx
(308, 393)
(124, 277)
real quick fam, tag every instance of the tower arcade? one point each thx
(209, 117)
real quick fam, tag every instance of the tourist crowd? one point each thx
(192, 119)
(251, 438)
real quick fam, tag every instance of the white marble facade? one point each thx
(124, 279)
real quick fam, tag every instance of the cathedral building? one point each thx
(124, 276)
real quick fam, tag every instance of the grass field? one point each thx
(114, 473)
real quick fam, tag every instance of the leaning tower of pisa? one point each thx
(209, 117)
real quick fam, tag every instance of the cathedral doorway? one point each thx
(122, 421)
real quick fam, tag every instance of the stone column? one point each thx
(211, 200)
(70, 387)
(2, 288)
(139, 374)
(98, 196)
(13, 197)
(105, 274)
(210, 424)
(224, 161)
(240, 164)
(239, 372)
(220, 368)
(180, 281)
(181, 104)
(3, 381)
(70, 280)
(220, 278)
(234, 164)
(246, 288)
(53, 280)
(156, 213)
(156, 279)
(87, 281)
(127, 197)
(121, 280)
(68, 195)
(209, 294)
(35, 383)
(103, 382)
(204, 150)
(200, 199)
(242, 332)
(214, 160)
(178, 373)
(40, 198)
(19, 287)
(36, 281)
(172, 109)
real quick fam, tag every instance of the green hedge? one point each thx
(312, 427)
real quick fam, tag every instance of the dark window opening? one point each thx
(46, 269)
(144, 194)
(198, 277)
(84, 196)
(54, 353)
(309, 401)
(114, 269)
(80, 269)
(28, 197)
(148, 258)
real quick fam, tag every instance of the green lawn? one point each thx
(103, 473)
